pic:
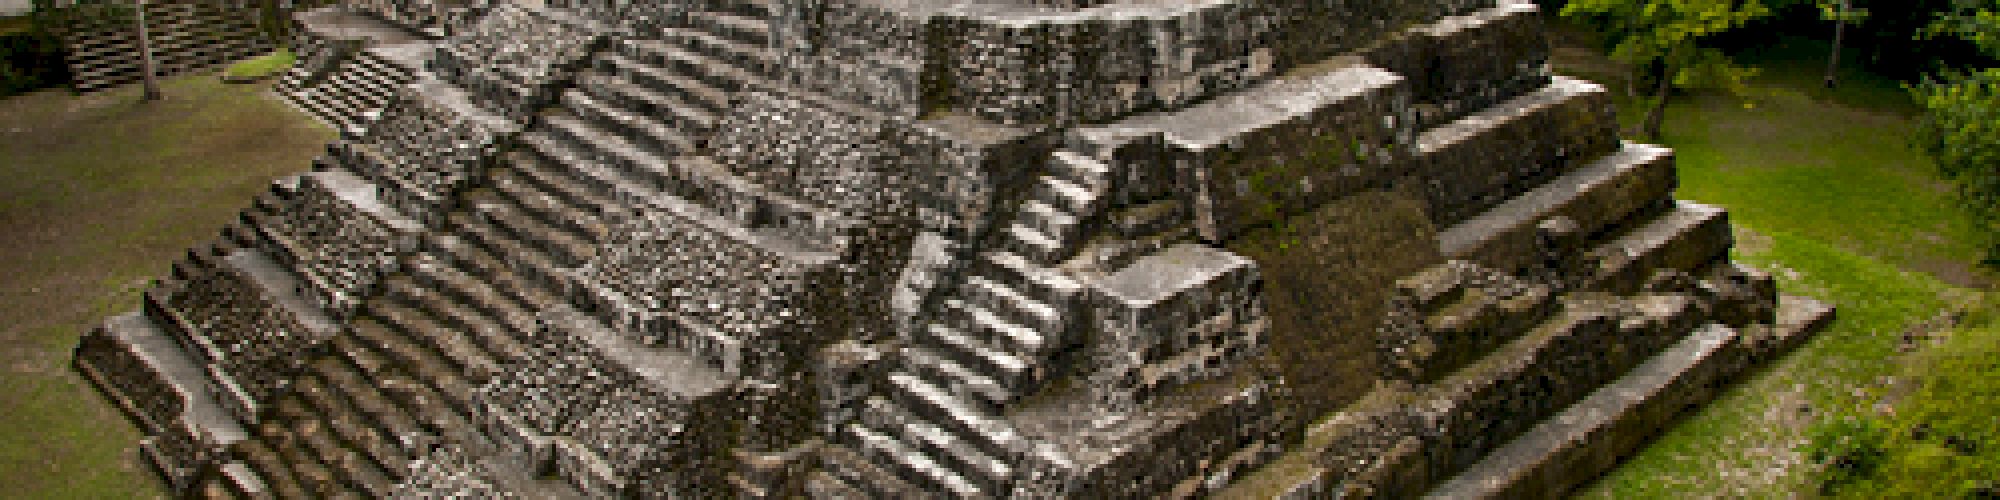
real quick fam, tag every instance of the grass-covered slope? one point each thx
(99, 194)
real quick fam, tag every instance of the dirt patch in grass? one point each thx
(99, 194)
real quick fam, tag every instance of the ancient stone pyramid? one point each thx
(930, 248)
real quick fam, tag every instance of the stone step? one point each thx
(1079, 169)
(479, 266)
(650, 103)
(545, 207)
(913, 466)
(1014, 305)
(1077, 199)
(636, 129)
(530, 263)
(980, 322)
(850, 469)
(1005, 368)
(550, 178)
(1480, 407)
(1465, 62)
(952, 454)
(1038, 247)
(236, 480)
(501, 319)
(442, 294)
(314, 476)
(1043, 283)
(1687, 238)
(397, 426)
(1591, 199)
(407, 312)
(422, 364)
(344, 448)
(758, 59)
(1590, 436)
(745, 29)
(270, 468)
(145, 371)
(565, 248)
(358, 431)
(962, 381)
(717, 75)
(592, 143)
(925, 400)
(400, 383)
(1052, 222)
(1481, 160)
(347, 474)
(642, 66)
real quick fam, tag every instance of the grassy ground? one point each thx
(98, 194)
(1825, 192)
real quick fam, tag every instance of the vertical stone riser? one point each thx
(1337, 151)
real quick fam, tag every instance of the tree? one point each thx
(149, 75)
(1961, 127)
(1842, 13)
(1667, 36)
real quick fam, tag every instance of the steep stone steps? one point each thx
(529, 262)
(1585, 438)
(646, 101)
(355, 430)
(423, 363)
(848, 474)
(1590, 199)
(637, 129)
(401, 385)
(1003, 367)
(409, 318)
(926, 362)
(961, 459)
(925, 400)
(271, 468)
(396, 428)
(913, 466)
(1473, 164)
(1686, 238)
(297, 450)
(344, 458)
(565, 248)
(647, 66)
(1451, 424)
(495, 319)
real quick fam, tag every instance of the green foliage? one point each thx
(1849, 449)
(30, 60)
(1961, 130)
(1670, 34)
(1940, 440)
(265, 65)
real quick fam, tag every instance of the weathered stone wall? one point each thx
(1321, 320)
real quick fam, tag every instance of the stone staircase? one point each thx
(350, 67)
(185, 36)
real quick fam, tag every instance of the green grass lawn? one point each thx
(1826, 193)
(99, 194)
(265, 65)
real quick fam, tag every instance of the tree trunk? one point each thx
(1839, 33)
(1658, 115)
(148, 74)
